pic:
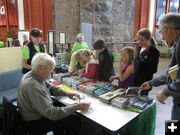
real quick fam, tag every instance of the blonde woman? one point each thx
(79, 60)
(91, 70)
(146, 59)
(126, 70)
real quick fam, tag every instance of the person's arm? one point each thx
(159, 80)
(72, 64)
(25, 57)
(125, 75)
(54, 90)
(75, 47)
(25, 65)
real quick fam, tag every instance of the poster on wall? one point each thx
(2, 13)
(51, 42)
(12, 12)
(23, 35)
(62, 38)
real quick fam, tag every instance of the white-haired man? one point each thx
(169, 26)
(38, 113)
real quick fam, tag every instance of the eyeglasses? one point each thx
(49, 69)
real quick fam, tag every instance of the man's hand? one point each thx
(145, 86)
(71, 95)
(82, 106)
(161, 97)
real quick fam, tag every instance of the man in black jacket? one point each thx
(106, 59)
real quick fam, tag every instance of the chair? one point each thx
(11, 119)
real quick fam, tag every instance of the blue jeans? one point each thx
(175, 112)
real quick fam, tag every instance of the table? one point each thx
(119, 121)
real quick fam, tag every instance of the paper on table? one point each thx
(68, 101)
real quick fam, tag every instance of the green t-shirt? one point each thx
(25, 51)
(78, 46)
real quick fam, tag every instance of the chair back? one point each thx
(11, 119)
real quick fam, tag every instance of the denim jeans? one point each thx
(175, 113)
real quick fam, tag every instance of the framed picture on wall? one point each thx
(23, 35)
(51, 45)
(62, 38)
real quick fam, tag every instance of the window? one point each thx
(163, 7)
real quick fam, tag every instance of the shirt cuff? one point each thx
(151, 84)
(166, 91)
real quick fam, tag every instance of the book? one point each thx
(139, 104)
(56, 83)
(133, 91)
(146, 99)
(173, 71)
(65, 87)
(107, 97)
(120, 102)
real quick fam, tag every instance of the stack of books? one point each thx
(56, 83)
(74, 81)
(133, 91)
(138, 104)
(99, 91)
(88, 87)
(68, 81)
(120, 102)
(107, 97)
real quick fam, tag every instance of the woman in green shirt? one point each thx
(30, 49)
(79, 44)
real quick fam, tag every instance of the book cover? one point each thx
(65, 87)
(173, 71)
(133, 90)
(139, 104)
(106, 98)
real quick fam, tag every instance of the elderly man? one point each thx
(36, 107)
(169, 26)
